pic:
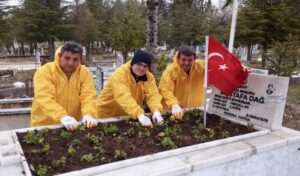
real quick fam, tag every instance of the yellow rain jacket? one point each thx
(178, 87)
(55, 96)
(122, 95)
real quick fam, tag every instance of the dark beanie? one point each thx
(141, 56)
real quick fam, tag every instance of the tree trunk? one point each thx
(151, 41)
(22, 49)
(249, 53)
(31, 49)
(88, 52)
(263, 59)
(51, 48)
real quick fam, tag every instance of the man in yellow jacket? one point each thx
(182, 83)
(125, 91)
(64, 91)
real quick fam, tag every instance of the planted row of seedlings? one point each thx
(55, 151)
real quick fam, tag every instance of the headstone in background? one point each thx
(120, 59)
(102, 76)
(259, 71)
(260, 101)
(37, 59)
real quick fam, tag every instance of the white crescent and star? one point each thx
(221, 67)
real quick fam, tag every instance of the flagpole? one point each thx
(205, 78)
(233, 25)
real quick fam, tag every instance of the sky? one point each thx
(16, 2)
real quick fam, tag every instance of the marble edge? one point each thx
(266, 143)
(222, 159)
(21, 152)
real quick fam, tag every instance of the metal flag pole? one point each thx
(233, 25)
(205, 79)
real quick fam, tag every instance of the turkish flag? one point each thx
(225, 71)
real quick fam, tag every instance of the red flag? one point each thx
(225, 71)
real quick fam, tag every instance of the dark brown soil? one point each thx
(105, 144)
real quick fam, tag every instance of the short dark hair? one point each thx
(187, 51)
(71, 46)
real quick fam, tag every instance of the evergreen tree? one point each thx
(271, 21)
(284, 58)
(128, 28)
(102, 13)
(41, 17)
(250, 28)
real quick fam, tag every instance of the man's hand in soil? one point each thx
(89, 121)
(177, 112)
(157, 117)
(69, 122)
(145, 121)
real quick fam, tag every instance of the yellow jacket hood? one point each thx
(178, 87)
(122, 95)
(56, 96)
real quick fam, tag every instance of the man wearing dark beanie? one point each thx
(126, 89)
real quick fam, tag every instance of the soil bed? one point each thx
(50, 152)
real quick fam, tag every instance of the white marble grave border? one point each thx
(138, 160)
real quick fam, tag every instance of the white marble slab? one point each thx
(283, 161)
(217, 155)
(267, 142)
(292, 136)
(12, 170)
(6, 138)
(165, 167)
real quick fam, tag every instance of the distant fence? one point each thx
(17, 91)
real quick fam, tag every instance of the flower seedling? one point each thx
(75, 143)
(211, 132)
(71, 150)
(110, 129)
(120, 154)
(93, 138)
(65, 134)
(130, 132)
(118, 138)
(142, 134)
(99, 149)
(172, 131)
(200, 137)
(168, 143)
(87, 157)
(222, 122)
(225, 134)
(59, 162)
(32, 138)
(197, 134)
(42, 170)
(45, 149)
(44, 130)
(250, 126)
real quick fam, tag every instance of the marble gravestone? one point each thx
(260, 101)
